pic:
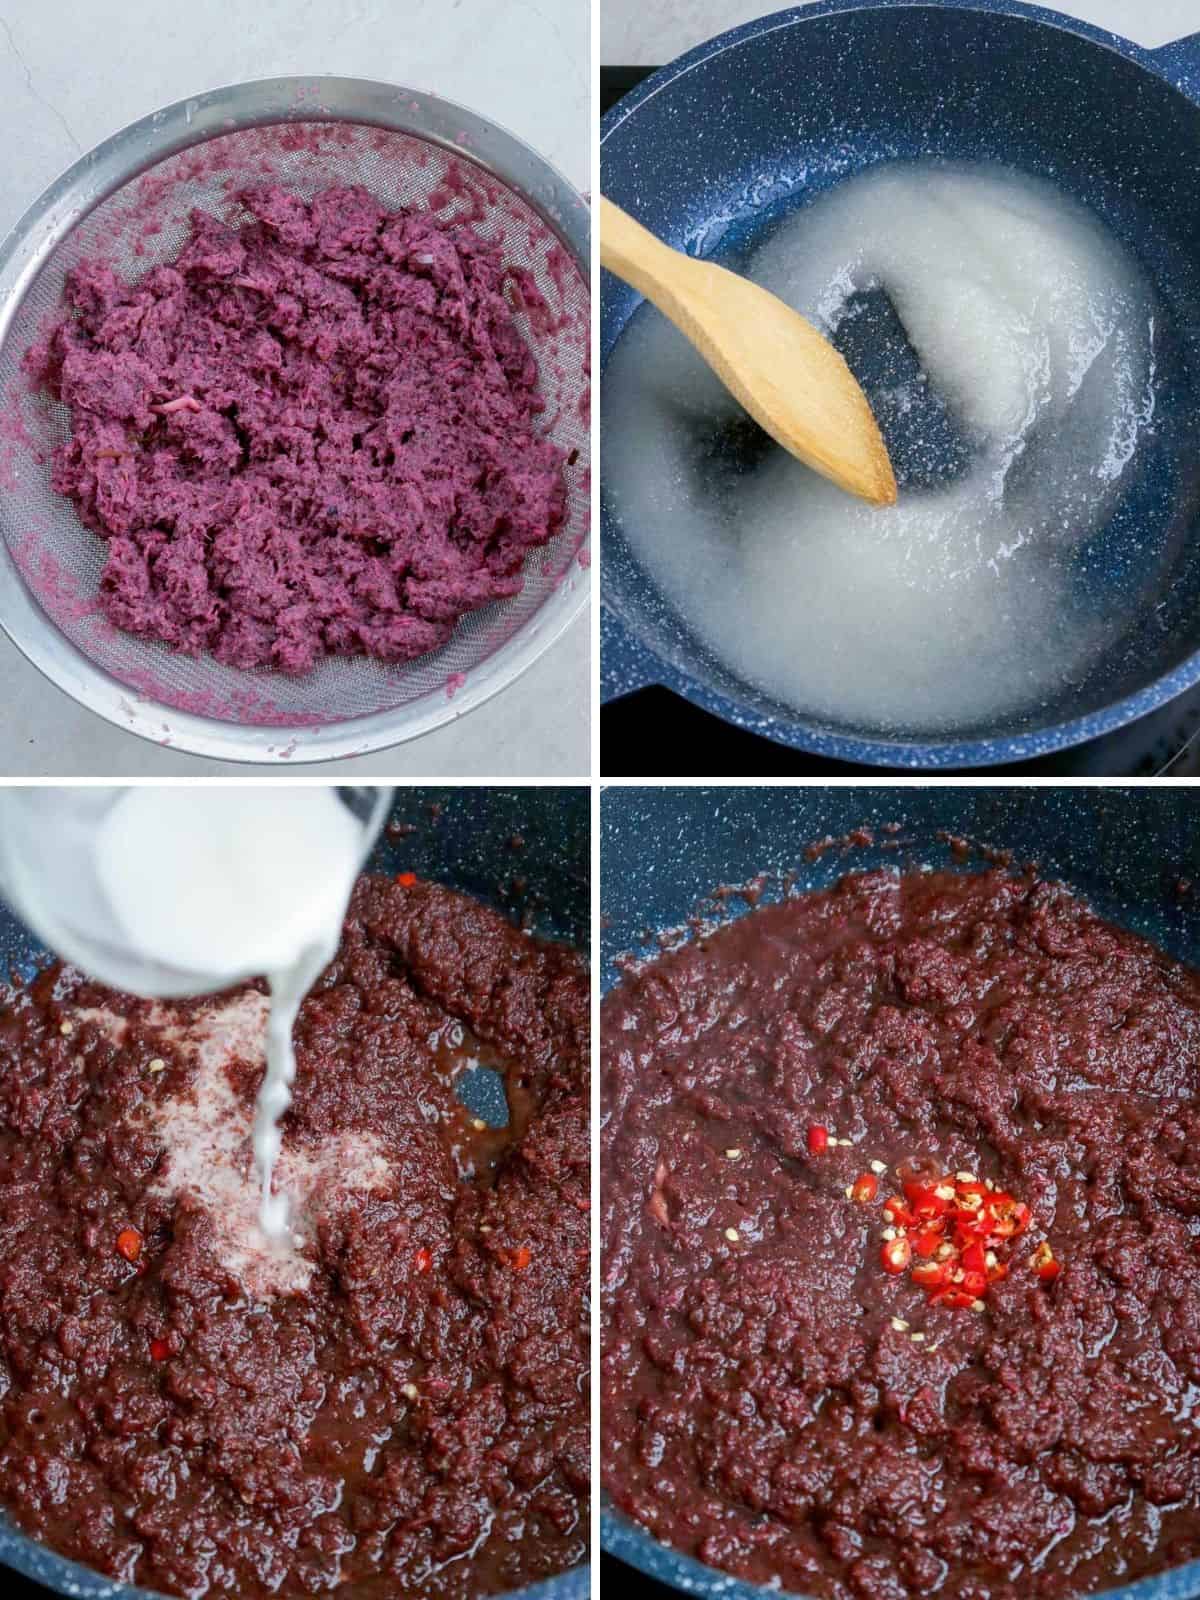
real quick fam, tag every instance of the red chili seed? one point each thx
(818, 1139)
(129, 1244)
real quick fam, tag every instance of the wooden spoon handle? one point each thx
(633, 253)
(784, 371)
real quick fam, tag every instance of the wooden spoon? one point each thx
(787, 376)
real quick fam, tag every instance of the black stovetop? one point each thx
(657, 731)
(630, 1584)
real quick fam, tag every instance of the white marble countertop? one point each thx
(71, 75)
(638, 33)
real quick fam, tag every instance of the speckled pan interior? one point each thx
(663, 852)
(711, 152)
(463, 838)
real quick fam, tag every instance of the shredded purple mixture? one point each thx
(314, 434)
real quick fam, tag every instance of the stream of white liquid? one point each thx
(224, 884)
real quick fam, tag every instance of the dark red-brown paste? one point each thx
(776, 1403)
(401, 1405)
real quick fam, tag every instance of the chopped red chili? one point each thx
(967, 1233)
(896, 1254)
(925, 1201)
(1043, 1263)
(896, 1212)
(974, 1284)
(521, 1258)
(956, 1297)
(973, 1258)
(160, 1349)
(931, 1274)
(423, 1259)
(129, 1244)
(818, 1140)
(864, 1188)
(928, 1242)
(406, 879)
(1008, 1217)
(948, 1229)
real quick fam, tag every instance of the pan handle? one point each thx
(1180, 62)
(625, 665)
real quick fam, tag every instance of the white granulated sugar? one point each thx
(206, 1136)
(113, 1027)
(966, 603)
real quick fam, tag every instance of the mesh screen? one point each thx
(145, 223)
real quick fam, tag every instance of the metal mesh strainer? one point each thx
(128, 201)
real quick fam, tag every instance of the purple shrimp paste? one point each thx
(314, 434)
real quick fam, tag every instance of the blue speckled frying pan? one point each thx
(527, 853)
(663, 851)
(761, 119)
